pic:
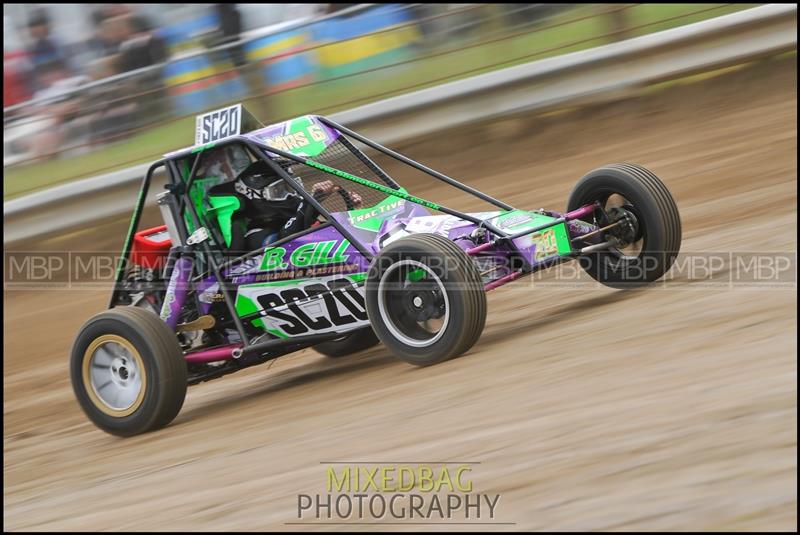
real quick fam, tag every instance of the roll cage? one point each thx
(213, 258)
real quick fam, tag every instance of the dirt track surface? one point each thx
(669, 408)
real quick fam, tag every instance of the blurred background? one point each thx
(89, 88)
(585, 408)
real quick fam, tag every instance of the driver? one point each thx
(271, 209)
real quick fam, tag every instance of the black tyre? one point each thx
(425, 299)
(128, 371)
(652, 240)
(350, 343)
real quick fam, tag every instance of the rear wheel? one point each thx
(128, 371)
(350, 343)
(649, 238)
(425, 299)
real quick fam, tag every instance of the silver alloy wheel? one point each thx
(115, 376)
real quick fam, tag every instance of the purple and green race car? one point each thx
(367, 263)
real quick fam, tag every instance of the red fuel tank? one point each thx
(150, 247)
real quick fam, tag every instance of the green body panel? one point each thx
(555, 238)
(562, 239)
(223, 207)
(373, 217)
(204, 147)
(198, 195)
(303, 137)
(246, 305)
(357, 277)
(314, 148)
(311, 254)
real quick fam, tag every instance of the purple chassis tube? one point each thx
(176, 291)
(212, 355)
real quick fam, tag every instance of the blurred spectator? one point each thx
(229, 30)
(230, 26)
(57, 81)
(140, 46)
(15, 78)
(423, 15)
(103, 42)
(55, 120)
(44, 51)
(133, 101)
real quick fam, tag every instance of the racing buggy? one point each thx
(374, 264)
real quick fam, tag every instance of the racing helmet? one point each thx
(259, 182)
(268, 198)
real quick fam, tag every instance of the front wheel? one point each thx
(647, 235)
(128, 371)
(425, 299)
